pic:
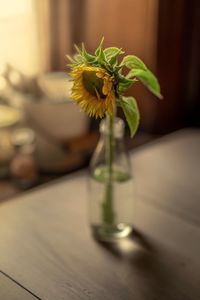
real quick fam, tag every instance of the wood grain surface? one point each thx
(47, 247)
(10, 290)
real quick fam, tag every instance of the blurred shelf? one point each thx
(78, 152)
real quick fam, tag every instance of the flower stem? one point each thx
(107, 212)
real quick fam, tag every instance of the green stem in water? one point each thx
(107, 206)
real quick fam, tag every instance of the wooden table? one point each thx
(47, 252)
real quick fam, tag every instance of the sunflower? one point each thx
(93, 90)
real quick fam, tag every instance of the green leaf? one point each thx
(111, 54)
(78, 50)
(112, 51)
(124, 83)
(148, 79)
(130, 109)
(100, 47)
(101, 57)
(133, 62)
(78, 58)
(142, 73)
(71, 59)
(87, 56)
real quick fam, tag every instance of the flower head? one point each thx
(93, 90)
(99, 83)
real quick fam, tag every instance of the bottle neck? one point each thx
(116, 128)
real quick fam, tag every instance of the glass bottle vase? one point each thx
(110, 184)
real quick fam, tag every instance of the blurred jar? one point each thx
(6, 153)
(23, 167)
(9, 118)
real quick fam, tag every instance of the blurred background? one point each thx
(42, 134)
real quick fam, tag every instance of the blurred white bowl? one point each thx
(55, 115)
(55, 85)
(60, 121)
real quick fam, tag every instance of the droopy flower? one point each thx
(99, 82)
(93, 90)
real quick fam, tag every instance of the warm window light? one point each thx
(19, 36)
(9, 8)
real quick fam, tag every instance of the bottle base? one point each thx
(111, 233)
